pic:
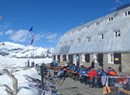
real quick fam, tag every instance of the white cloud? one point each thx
(10, 31)
(4, 26)
(20, 36)
(52, 37)
(39, 36)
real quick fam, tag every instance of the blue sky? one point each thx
(50, 18)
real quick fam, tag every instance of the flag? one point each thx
(32, 39)
(31, 29)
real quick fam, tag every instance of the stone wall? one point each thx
(106, 64)
(125, 63)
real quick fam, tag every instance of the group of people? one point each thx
(93, 77)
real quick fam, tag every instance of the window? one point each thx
(64, 57)
(111, 18)
(58, 57)
(70, 58)
(89, 39)
(97, 23)
(117, 33)
(127, 13)
(87, 57)
(111, 58)
(54, 57)
(100, 59)
(102, 36)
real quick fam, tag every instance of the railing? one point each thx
(124, 91)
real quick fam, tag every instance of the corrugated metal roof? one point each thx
(76, 40)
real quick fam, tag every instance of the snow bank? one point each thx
(14, 62)
(22, 82)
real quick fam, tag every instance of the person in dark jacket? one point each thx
(54, 63)
(93, 64)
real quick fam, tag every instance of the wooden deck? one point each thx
(70, 87)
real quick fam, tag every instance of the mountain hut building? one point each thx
(105, 40)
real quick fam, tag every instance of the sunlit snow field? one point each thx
(13, 64)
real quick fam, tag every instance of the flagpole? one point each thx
(33, 52)
(32, 43)
(33, 47)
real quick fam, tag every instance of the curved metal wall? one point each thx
(76, 40)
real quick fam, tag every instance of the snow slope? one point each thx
(15, 57)
(13, 50)
(22, 82)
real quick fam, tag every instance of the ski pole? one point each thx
(61, 84)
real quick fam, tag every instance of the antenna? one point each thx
(118, 1)
(116, 4)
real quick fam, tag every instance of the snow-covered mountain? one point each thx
(15, 58)
(13, 50)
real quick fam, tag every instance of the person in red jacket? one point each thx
(92, 73)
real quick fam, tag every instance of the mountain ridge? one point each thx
(14, 50)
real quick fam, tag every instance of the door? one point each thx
(100, 59)
(70, 57)
(117, 58)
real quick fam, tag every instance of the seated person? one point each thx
(100, 72)
(54, 63)
(77, 69)
(81, 70)
(93, 80)
(75, 72)
(73, 67)
(69, 67)
(65, 68)
(62, 73)
(92, 73)
(82, 78)
(111, 72)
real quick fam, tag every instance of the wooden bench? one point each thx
(57, 67)
(125, 91)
